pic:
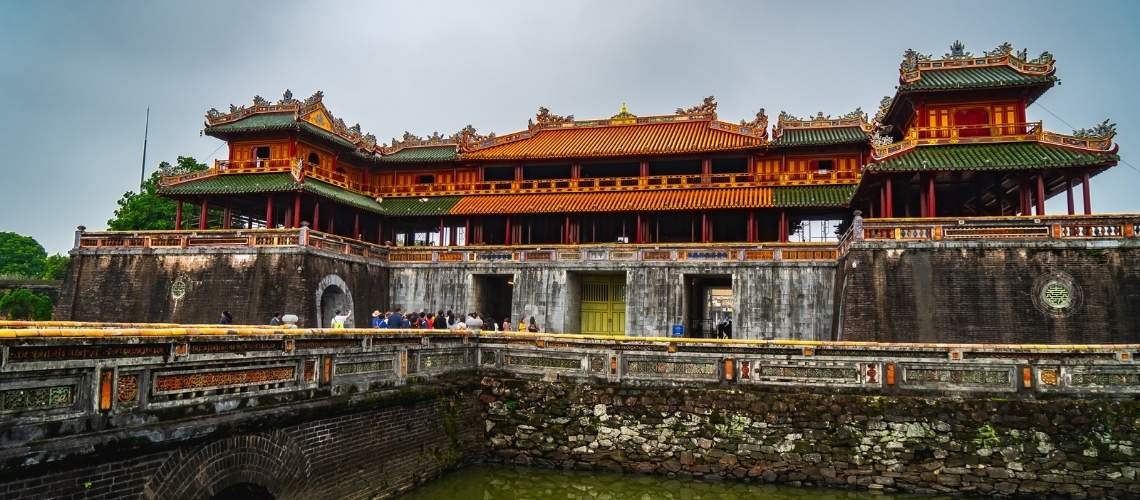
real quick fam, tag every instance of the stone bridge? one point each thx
(163, 411)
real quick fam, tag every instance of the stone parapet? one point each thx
(902, 411)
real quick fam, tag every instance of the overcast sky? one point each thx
(78, 76)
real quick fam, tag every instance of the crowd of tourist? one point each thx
(421, 320)
(441, 320)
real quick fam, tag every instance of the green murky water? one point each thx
(518, 483)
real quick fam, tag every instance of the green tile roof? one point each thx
(409, 207)
(813, 196)
(270, 183)
(973, 78)
(422, 154)
(256, 123)
(820, 136)
(999, 156)
(344, 196)
(269, 122)
(233, 184)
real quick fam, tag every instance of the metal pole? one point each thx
(146, 131)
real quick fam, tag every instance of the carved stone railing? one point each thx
(230, 238)
(56, 373)
(1031, 228)
(1104, 370)
(988, 133)
(644, 253)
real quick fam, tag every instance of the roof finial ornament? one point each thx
(624, 114)
(707, 106)
(958, 51)
(1004, 49)
(545, 117)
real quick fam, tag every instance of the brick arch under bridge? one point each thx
(272, 461)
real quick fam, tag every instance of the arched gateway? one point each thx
(249, 466)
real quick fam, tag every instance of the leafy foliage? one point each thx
(21, 255)
(22, 304)
(147, 210)
(55, 266)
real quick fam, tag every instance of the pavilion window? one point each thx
(425, 179)
(261, 154)
(314, 159)
(730, 166)
(972, 116)
(824, 166)
(675, 167)
(608, 170)
(546, 172)
(499, 174)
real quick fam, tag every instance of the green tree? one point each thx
(147, 210)
(22, 304)
(21, 255)
(55, 266)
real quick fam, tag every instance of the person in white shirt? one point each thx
(340, 319)
(474, 324)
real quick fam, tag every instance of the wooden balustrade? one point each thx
(594, 184)
(988, 133)
(1071, 227)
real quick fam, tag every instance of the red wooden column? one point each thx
(226, 215)
(202, 211)
(1040, 197)
(1069, 194)
(783, 230)
(316, 215)
(889, 209)
(467, 240)
(1085, 192)
(442, 242)
(178, 216)
(507, 237)
(751, 225)
(297, 210)
(706, 171)
(356, 225)
(269, 211)
(705, 228)
(637, 231)
(643, 172)
(933, 210)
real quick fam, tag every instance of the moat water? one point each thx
(521, 483)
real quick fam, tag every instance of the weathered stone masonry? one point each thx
(897, 443)
(988, 292)
(355, 414)
(195, 285)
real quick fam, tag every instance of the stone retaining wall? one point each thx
(897, 443)
(393, 444)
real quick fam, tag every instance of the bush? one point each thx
(25, 305)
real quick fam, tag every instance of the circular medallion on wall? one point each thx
(178, 288)
(1056, 294)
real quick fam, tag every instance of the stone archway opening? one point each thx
(244, 491)
(333, 295)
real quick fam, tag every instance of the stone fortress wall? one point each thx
(179, 412)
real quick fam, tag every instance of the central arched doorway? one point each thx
(244, 491)
(333, 295)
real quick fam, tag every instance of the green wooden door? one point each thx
(603, 305)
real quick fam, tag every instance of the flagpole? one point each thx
(146, 131)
